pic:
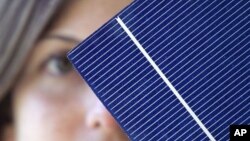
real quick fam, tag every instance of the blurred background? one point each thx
(42, 98)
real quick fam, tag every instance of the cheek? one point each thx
(63, 111)
(47, 112)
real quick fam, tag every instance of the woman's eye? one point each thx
(58, 65)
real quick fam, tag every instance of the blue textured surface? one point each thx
(203, 49)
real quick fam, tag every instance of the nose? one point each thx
(96, 117)
(93, 121)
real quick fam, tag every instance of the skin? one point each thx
(51, 102)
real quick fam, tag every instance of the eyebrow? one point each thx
(63, 38)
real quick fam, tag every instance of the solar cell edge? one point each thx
(71, 53)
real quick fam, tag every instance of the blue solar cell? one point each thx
(202, 50)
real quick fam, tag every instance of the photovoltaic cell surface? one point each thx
(172, 70)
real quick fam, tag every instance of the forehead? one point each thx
(80, 18)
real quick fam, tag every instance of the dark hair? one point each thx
(21, 24)
(5, 113)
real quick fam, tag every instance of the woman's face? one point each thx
(51, 101)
